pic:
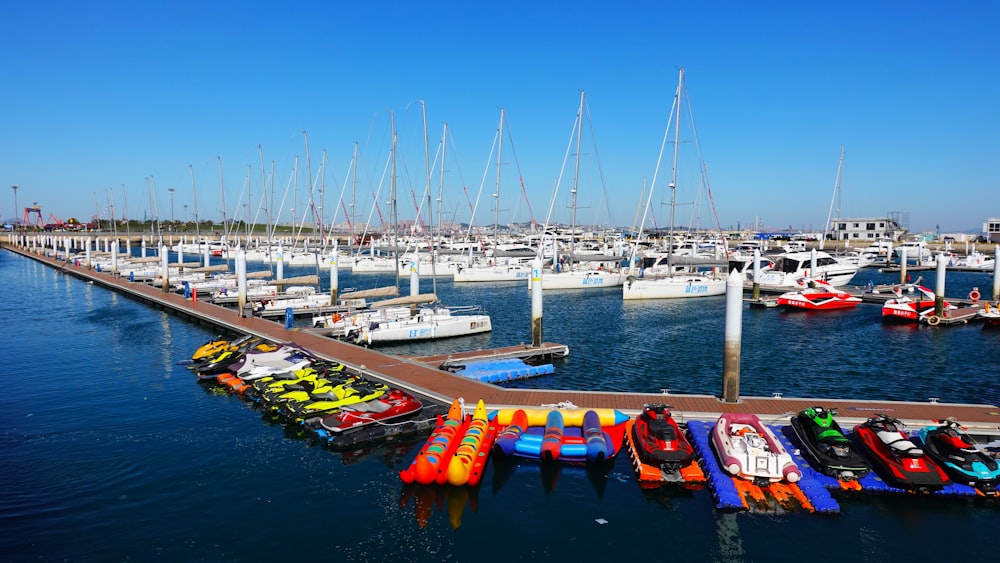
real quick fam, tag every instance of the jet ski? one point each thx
(826, 446)
(303, 391)
(209, 368)
(271, 361)
(953, 449)
(659, 441)
(393, 405)
(218, 344)
(896, 458)
(268, 368)
(319, 368)
(326, 403)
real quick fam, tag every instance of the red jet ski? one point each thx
(391, 406)
(659, 441)
(896, 458)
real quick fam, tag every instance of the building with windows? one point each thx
(866, 229)
(991, 229)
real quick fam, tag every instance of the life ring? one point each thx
(933, 320)
(974, 295)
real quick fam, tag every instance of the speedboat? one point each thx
(826, 446)
(817, 295)
(953, 449)
(659, 441)
(791, 267)
(897, 459)
(747, 449)
(907, 309)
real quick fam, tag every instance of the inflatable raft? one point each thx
(563, 435)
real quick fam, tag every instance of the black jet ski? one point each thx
(955, 451)
(825, 445)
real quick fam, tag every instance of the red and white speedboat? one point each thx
(817, 295)
(910, 309)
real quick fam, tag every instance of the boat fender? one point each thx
(974, 295)
(933, 320)
(986, 307)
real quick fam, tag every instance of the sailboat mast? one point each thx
(833, 198)
(156, 209)
(673, 178)
(354, 191)
(430, 208)
(263, 194)
(496, 195)
(222, 188)
(392, 196)
(440, 198)
(312, 203)
(128, 226)
(576, 179)
(194, 196)
(246, 206)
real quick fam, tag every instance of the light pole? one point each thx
(16, 220)
(171, 190)
(185, 213)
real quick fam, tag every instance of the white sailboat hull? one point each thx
(367, 265)
(673, 287)
(590, 279)
(425, 327)
(493, 274)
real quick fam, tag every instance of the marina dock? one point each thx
(420, 375)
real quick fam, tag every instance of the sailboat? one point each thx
(578, 275)
(413, 321)
(496, 268)
(676, 280)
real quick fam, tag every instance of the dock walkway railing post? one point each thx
(756, 274)
(939, 287)
(996, 274)
(536, 302)
(733, 337)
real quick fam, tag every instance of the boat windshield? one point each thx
(787, 265)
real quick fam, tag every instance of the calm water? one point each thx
(112, 452)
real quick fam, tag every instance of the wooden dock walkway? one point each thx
(418, 375)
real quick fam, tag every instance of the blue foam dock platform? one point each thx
(814, 484)
(495, 371)
(726, 495)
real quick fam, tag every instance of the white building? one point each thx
(866, 229)
(991, 228)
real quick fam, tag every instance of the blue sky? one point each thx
(99, 97)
